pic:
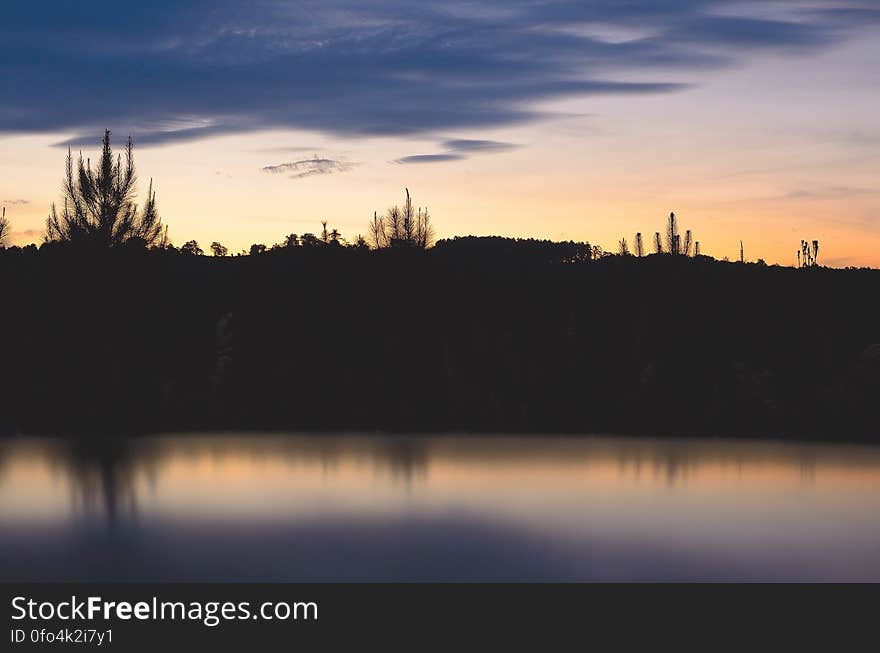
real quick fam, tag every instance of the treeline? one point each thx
(472, 334)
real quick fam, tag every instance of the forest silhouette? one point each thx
(108, 327)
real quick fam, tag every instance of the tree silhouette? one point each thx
(671, 238)
(402, 227)
(4, 228)
(393, 225)
(99, 206)
(408, 221)
(218, 250)
(424, 235)
(376, 231)
(257, 248)
(310, 240)
(808, 253)
(672, 242)
(191, 247)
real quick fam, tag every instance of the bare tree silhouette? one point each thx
(424, 235)
(672, 242)
(377, 231)
(671, 238)
(408, 220)
(402, 227)
(99, 206)
(686, 246)
(639, 246)
(394, 225)
(4, 229)
(622, 247)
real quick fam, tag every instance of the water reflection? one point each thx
(101, 474)
(301, 507)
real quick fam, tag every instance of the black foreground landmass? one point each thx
(475, 334)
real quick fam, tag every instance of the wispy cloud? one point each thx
(476, 145)
(309, 167)
(146, 137)
(429, 158)
(287, 148)
(15, 202)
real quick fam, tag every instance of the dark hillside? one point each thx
(474, 334)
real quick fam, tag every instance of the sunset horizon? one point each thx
(751, 122)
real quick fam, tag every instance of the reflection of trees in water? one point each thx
(673, 463)
(808, 470)
(407, 458)
(107, 474)
(630, 462)
(675, 466)
(103, 473)
(676, 463)
(404, 458)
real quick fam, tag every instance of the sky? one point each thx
(562, 119)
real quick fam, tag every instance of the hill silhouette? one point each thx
(475, 334)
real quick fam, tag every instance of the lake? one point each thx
(304, 507)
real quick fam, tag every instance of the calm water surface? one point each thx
(360, 508)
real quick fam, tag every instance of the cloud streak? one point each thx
(429, 158)
(309, 167)
(478, 146)
(179, 70)
(458, 149)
